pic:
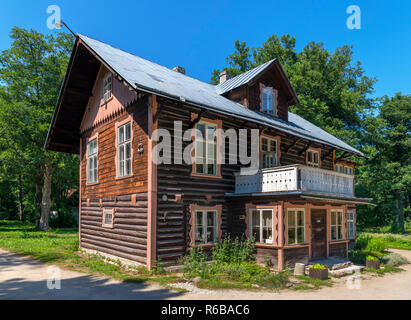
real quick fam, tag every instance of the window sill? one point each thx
(102, 104)
(204, 245)
(92, 183)
(203, 175)
(297, 245)
(125, 177)
(107, 226)
(338, 241)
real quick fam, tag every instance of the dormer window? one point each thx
(269, 100)
(107, 87)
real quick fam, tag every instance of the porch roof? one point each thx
(304, 195)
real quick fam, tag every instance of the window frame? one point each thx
(261, 227)
(314, 151)
(337, 225)
(128, 120)
(218, 125)
(194, 208)
(94, 155)
(104, 83)
(277, 140)
(350, 221)
(351, 170)
(339, 166)
(296, 226)
(269, 91)
(103, 223)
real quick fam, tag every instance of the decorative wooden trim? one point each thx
(91, 138)
(111, 226)
(319, 155)
(195, 207)
(118, 124)
(196, 118)
(152, 188)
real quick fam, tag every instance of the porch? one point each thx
(297, 178)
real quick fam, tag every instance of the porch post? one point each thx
(280, 209)
(328, 225)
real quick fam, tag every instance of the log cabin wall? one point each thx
(126, 197)
(177, 189)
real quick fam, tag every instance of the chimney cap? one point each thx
(179, 69)
(225, 75)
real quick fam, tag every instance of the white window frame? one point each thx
(269, 153)
(312, 163)
(107, 212)
(123, 145)
(339, 168)
(351, 225)
(269, 101)
(348, 170)
(107, 87)
(296, 226)
(204, 225)
(204, 143)
(92, 158)
(261, 227)
(337, 225)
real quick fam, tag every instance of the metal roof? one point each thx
(241, 79)
(148, 76)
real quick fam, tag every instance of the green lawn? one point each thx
(60, 247)
(394, 241)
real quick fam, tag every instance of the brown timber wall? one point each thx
(338, 250)
(126, 196)
(295, 255)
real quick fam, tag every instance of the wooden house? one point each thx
(299, 205)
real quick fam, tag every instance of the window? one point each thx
(206, 149)
(350, 224)
(124, 150)
(339, 168)
(92, 161)
(296, 226)
(269, 100)
(261, 225)
(107, 88)
(108, 218)
(268, 151)
(337, 225)
(313, 158)
(205, 226)
(348, 170)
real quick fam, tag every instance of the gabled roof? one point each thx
(148, 76)
(242, 79)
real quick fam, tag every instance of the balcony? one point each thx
(295, 178)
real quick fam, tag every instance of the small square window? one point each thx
(108, 218)
(107, 88)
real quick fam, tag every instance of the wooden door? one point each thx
(318, 233)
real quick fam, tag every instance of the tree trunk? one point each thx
(21, 215)
(46, 191)
(38, 196)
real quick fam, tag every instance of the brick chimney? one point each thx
(180, 69)
(224, 76)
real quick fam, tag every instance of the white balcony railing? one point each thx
(295, 178)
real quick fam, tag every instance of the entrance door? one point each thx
(318, 233)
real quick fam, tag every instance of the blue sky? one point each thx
(198, 35)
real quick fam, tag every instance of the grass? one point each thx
(384, 270)
(394, 241)
(60, 247)
(307, 283)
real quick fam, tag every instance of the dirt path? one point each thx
(24, 278)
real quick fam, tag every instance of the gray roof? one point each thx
(241, 79)
(148, 76)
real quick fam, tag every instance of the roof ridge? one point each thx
(156, 63)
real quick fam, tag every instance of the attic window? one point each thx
(269, 100)
(107, 87)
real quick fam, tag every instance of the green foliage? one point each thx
(318, 266)
(31, 71)
(307, 283)
(371, 258)
(394, 259)
(232, 265)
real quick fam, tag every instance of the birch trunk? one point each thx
(45, 200)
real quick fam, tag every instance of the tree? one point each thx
(31, 71)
